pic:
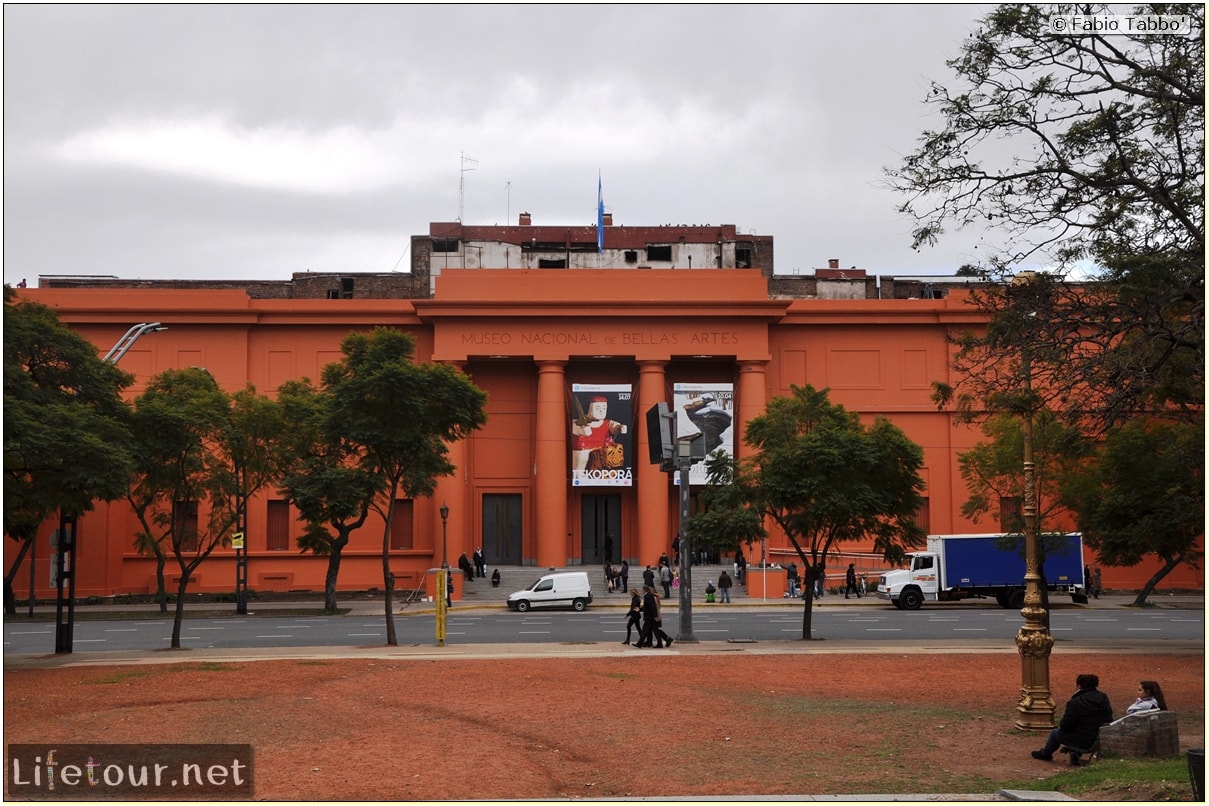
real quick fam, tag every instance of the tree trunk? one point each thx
(10, 600)
(180, 609)
(333, 571)
(1169, 564)
(161, 587)
(388, 580)
(810, 575)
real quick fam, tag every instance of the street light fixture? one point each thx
(444, 536)
(1034, 641)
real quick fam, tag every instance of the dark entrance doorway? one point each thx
(502, 528)
(601, 516)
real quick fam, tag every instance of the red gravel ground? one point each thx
(714, 721)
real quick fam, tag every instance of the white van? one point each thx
(566, 588)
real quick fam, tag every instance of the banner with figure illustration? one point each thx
(601, 435)
(707, 409)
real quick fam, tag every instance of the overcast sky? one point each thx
(251, 142)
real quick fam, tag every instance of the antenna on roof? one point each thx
(462, 183)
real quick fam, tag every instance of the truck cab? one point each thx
(907, 588)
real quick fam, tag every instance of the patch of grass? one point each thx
(211, 666)
(119, 677)
(1135, 779)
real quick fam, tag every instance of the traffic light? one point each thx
(660, 439)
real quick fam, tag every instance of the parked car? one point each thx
(568, 588)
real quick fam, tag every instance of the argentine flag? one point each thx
(599, 215)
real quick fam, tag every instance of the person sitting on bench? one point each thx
(1085, 712)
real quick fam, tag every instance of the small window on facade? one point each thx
(184, 524)
(401, 525)
(659, 253)
(277, 527)
(551, 263)
(631, 256)
(1011, 513)
(446, 244)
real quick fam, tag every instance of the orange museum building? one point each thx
(543, 343)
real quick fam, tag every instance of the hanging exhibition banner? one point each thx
(707, 409)
(601, 416)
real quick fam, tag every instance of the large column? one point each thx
(753, 391)
(452, 537)
(551, 485)
(653, 524)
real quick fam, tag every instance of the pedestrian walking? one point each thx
(665, 579)
(624, 573)
(652, 622)
(724, 583)
(1095, 574)
(634, 618)
(850, 582)
(648, 577)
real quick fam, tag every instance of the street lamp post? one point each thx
(443, 582)
(444, 536)
(1035, 711)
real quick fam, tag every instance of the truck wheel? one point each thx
(1002, 598)
(1016, 599)
(579, 605)
(897, 604)
(911, 599)
(522, 606)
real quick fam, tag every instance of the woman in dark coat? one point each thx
(634, 621)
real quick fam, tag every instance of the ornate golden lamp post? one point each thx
(1035, 710)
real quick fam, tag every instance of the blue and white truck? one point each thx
(969, 566)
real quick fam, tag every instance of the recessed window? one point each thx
(743, 257)
(631, 256)
(446, 244)
(659, 253)
(551, 263)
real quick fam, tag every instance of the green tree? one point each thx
(66, 441)
(1080, 146)
(1144, 494)
(824, 478)
(401, 416)
(1080, 150)
(182, 421)
(322, 478)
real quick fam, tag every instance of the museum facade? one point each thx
(574, 333)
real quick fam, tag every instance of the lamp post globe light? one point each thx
(444, 536)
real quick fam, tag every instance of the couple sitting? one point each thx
(1087, 711)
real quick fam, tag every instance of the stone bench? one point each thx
(1153, 734)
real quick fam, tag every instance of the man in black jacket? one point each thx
(1080, 725)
